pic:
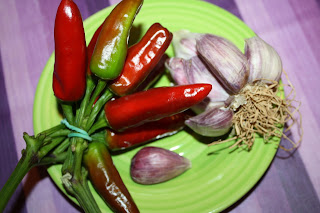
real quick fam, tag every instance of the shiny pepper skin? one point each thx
(110, 50)
(141, 59)
(69, 76)
(141, 134)
(91, 46)
(154, 75)
(106, 179)
(153, 104)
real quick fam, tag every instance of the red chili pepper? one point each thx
(146, 132)
(153, 104)
(91, 46)
(141, 59)
(154, 75)
(69, 76)
(106, 179)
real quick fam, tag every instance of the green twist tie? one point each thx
(80, 133)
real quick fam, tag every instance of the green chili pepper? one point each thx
(110, 51)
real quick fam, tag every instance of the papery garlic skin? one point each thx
(176, 67)
(264, 62)
(225, 60)
(194, 71)
(153, 165)
(184, 43)
(197, 72)
(212, 123)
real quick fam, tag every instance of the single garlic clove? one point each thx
(205, 105)
(176, 67)
(225, 60)
(197, 72)
(155, 165)
(184, 43)
(212, 123)
(264, 62)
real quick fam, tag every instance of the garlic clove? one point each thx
(197, 72)
(264, 62)
(176, 67)
(155, 165)
(205, 105)
(212, 123)
(225, 60)
(184, 43)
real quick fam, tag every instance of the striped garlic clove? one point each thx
(225, 60)
(184, 43)
(264, 61)
(212, 123)
(153, 165)
(198, 72)
(176, 67)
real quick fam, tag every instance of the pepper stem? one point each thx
(36, 148)
(27, 161)
(101, 122)
(97, 92)
(107, 95)
(22, 168)
(67, 111)
(84, 196)
(84, 103)
(75, 176)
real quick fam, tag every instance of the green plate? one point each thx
(219, 176)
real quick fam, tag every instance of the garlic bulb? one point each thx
(225, 60)
(231, 73)
(155, 165)
(264, 61)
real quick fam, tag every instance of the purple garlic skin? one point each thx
(212, 123)
(184, 43)
(194, 71)
(225, 60)
(176, 66)
(153, 165)
(197, 72)
(264, 62)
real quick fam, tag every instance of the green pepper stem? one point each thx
(75, 177)
(53, 129)
(84, 196)
(46, 149)
(100, 123)
(107, 95)
(53, 159)
(84, 103)
(62, 147)
(67, 111)
(81, 145)
(99, 88)
(36, 148)
(26, 162)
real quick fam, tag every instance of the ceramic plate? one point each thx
(219, 176)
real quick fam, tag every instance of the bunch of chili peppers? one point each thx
(104, 93)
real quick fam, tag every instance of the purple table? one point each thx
(291, 184)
